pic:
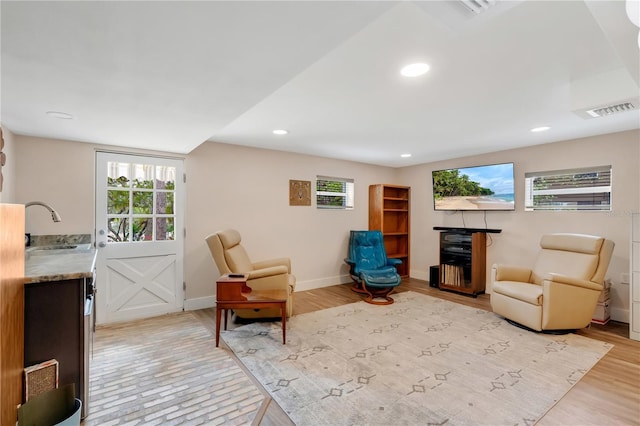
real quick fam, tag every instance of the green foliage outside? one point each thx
(142, 227)
(449, 183)
(331, 186)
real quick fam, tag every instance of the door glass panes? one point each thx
(140, 202)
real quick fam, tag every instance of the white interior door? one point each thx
(139, 236)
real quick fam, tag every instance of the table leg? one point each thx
(225, 318)
(283, 309)
(218, 326)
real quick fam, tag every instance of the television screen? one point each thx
(488, 187)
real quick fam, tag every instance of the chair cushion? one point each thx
(229, 238)
(571, 264)
(386, 277)
(370, 257)
(530, 293)
(579, 243)
(238, 259)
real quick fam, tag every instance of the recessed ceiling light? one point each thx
(280, 132)
(414, 70)
(405, 155)
(60, 115)
(540, 129)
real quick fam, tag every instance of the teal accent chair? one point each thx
(375, 274)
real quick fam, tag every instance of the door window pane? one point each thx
(165, 177)
(142, 229)
(164, 229)
(143, 176)
(118, 229)
(118, 174)
(142, 202)
(164, 202)
(117, 202)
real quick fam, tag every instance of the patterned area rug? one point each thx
(419, 361)
(167, 371)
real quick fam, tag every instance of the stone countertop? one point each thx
(58, 265)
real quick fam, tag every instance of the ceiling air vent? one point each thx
(610, 109)
(478, 6)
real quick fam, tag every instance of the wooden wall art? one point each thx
(299, 193)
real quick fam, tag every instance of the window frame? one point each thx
(347, 194)
(568, 184)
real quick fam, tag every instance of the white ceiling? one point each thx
(170, 75)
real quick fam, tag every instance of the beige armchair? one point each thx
(561, 291)
(231, 257)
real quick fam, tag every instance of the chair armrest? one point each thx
(576, 282)
(393, 262)
(267, 272)
(281, 261)
(511, 273)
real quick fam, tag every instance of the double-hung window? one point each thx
(575, 189)
(334, 193)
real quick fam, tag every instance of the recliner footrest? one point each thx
(381, 279)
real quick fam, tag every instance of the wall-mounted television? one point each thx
(489, 187)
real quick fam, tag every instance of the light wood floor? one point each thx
(609, 394)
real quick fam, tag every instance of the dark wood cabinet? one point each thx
(54, 328)
(389, 212)
(463, 261)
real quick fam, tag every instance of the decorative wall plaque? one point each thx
(299, 193)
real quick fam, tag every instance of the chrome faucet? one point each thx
(54, 214)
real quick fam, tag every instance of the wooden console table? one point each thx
(232, 292)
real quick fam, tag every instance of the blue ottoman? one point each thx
(379, 284)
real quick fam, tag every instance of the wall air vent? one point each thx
(478, 6)
(611, 109)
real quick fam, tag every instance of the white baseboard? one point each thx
(323, 282)
(620, 314)
(200, 303)
(419, 274)
(210, 301)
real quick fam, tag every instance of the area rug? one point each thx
(419, 361)
(166, 371)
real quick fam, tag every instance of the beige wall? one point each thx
(8, 193)
(247, 188)
(518, 242)
(59, 173)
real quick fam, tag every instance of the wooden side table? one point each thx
(232, 292)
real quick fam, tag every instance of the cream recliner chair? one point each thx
(231, 257)
(561, 291)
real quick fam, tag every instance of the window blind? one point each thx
(574, 189)
(334, 193)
